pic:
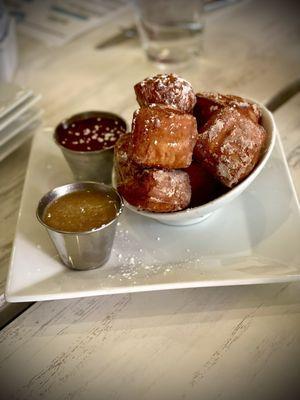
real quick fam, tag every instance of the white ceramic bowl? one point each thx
(197, 214)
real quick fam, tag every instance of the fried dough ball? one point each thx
(155, 190)
(163, 137)
(166, 89)
(122, 158)
(210, 102)
(229, 145)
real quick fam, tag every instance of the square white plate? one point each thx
(254, 239)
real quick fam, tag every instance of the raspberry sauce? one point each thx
(90, 131)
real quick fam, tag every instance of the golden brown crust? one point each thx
(166, 89)
(229, 145)
(163, 137)
(208, 103)
(155, 190)
(122, 157)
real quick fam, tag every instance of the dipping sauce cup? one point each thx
(87, 142)
(84, 249)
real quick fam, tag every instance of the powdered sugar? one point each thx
(229, 144)
(215, 129)
(167, 89)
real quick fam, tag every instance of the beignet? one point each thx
(229, 145)
(204, 186)
(156, 190)
(122, 158)
(167, 89)
(163, 137)
(210, 102)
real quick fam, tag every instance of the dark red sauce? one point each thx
(90, 131)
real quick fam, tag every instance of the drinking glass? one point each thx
(171, 31)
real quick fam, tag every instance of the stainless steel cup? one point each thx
(82, 250)
(92, 165)
(89, 165)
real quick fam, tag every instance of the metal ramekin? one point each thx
(82, 250)
(89, 165)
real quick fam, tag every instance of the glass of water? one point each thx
(170, 30)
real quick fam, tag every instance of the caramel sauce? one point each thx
(80, 211)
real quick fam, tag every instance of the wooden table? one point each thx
(214, 343)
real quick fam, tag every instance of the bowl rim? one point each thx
(205, 208)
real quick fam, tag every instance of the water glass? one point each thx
(171, 31)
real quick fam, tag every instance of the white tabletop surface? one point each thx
(213, 343)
